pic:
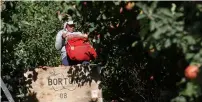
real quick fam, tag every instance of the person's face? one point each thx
(70, 28)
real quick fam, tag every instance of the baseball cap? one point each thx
(70, 22)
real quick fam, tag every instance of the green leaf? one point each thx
(91, 29)
(92, 24)
(179, 28)
(189, 39)
(167, 43)
(134, 43)
(166, 12)
(191, 90)
(173, 8)
(157, 34)
(116, 3)
(77, 2)
(104, 17)
(179, 99)
(154, 5)
(141, 16)
(189, 56)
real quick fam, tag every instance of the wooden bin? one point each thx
(64, 84)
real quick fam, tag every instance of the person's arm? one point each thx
(59, 40)
(76, 34)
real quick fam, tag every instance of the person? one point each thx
(62, 37)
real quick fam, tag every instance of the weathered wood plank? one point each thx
(65, 84)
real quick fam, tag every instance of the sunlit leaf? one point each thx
(134, 43)
(141, 16)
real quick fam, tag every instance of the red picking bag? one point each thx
(80, 49)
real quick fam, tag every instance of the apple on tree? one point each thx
(191, 71)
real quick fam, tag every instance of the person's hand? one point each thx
(85, 35)
(64, 35)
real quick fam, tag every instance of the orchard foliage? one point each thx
(144, 47)
(180, 26)
(28, 34)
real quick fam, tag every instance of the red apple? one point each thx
(152, 77)
(85, 3)
(130, 5)
(98, 36)
(117, 25)
(111, 26)
(191, 71)
(121, 9)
